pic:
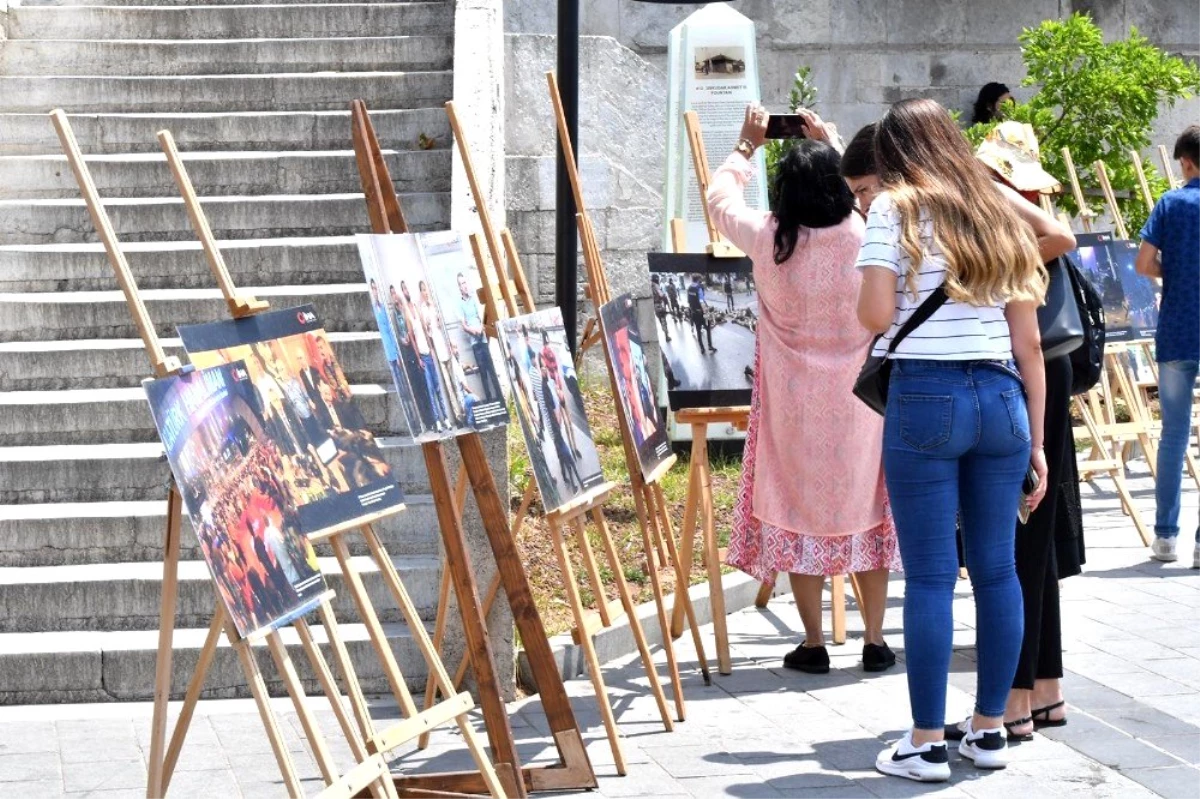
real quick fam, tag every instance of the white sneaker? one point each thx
(927, 763)
(988, 748)
(1163, 549)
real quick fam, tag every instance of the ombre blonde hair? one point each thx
(929, 170)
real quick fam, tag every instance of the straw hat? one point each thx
(1011, 148)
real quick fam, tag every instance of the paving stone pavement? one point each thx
(1132, 630)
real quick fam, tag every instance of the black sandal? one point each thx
(1046, 721)
(1019, 736)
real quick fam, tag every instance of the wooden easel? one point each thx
(1086, 214)
(1168, 167)
(574, 769)
(648, 498)
(371, 773)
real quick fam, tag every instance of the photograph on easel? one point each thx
(1130, 300)
(628, 360)
(545, 389)
(424, 293)
(332, 465)
(707, 321)
(228, 464)
(1141, 294)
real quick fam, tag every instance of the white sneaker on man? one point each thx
(926, 763)
(988, 748)
(1163, 549)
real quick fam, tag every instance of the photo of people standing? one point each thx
(707, 335)
(1141, 294)
(330, 464)
(550, 408)
(229, 465)
(1093, 256)
(618, 319)
(423, 294)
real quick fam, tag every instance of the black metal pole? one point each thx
(566, 241)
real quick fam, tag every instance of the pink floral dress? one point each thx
(811, 499)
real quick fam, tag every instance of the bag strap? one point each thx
(925, 310)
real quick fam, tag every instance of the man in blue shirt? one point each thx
(1171, 250)
(472, 325)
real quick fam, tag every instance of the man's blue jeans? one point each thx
(956, 444)
(1176, 380)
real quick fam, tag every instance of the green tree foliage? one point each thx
(1100, 100)
(802, 95)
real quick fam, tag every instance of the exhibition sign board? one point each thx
(1131, 301)
(712, 70)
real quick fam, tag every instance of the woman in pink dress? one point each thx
(812, 501)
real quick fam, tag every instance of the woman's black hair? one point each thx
(985, 103)
(859, 159)
(809, 192)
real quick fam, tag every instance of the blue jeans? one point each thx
(1175, 382)
(433, 385)
(956, 446)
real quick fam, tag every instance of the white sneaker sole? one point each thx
(982, 758)
(931, 773)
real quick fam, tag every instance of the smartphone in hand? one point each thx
(1029, 485)
(785, 126)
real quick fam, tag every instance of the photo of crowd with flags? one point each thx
(228, 467)
(424, 296)
(329, 462)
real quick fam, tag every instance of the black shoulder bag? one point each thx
(872, 384)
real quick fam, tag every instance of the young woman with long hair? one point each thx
(811, 501)
(963, 423)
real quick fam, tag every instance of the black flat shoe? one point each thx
(878, 657)
(808, 659)
(1041, 717)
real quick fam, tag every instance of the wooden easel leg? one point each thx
(460, 673)
(334, 694)
(439, 637)
(589, 648)
(765, 592)
(557, 705)
(366, 612)
(635, 625)
(1127, 499)
(341, 656)
(593, 572)
(479, 649)
(523, 509)
(156, 784)
(312, 730)
(639, 504)
(687, 542)
(207, 652)
(837, 607)
(716, 588)
(855, 588)
(682, 589)
(263, 702)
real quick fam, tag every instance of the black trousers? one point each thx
(1037, 563)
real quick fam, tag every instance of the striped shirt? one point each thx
(956, 331)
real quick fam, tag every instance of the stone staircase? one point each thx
(257, 97)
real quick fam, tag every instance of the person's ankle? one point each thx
(979, 722)
(921, 737)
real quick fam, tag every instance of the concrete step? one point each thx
(225, 56)
(104, 314)
(38, 177)
(118, 666)
(282, 92)
(230, 21)
(180, 264)
(134, 472)
(231, 217)
(71, 533)
(122, 415)
(32, 134)
(61, 598)
(121, 363)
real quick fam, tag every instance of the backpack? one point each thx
(693, 296)
(1087, 360)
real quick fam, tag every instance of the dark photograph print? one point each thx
(1093, 256)
(423, 291)
(627, 358)
(1141, 294)
(707, 322)
(331, 465)
(545, 390)
(229, 467)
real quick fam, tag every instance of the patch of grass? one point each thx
(534, 539)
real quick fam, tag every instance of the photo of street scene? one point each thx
(229, 465)
(627, 358)
(719, 62)
(423, 291)
(1093, 256)
(706, 329)
(545, 389)
(1141, 294)
(331, 466)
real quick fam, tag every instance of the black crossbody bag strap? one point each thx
(925, 310)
